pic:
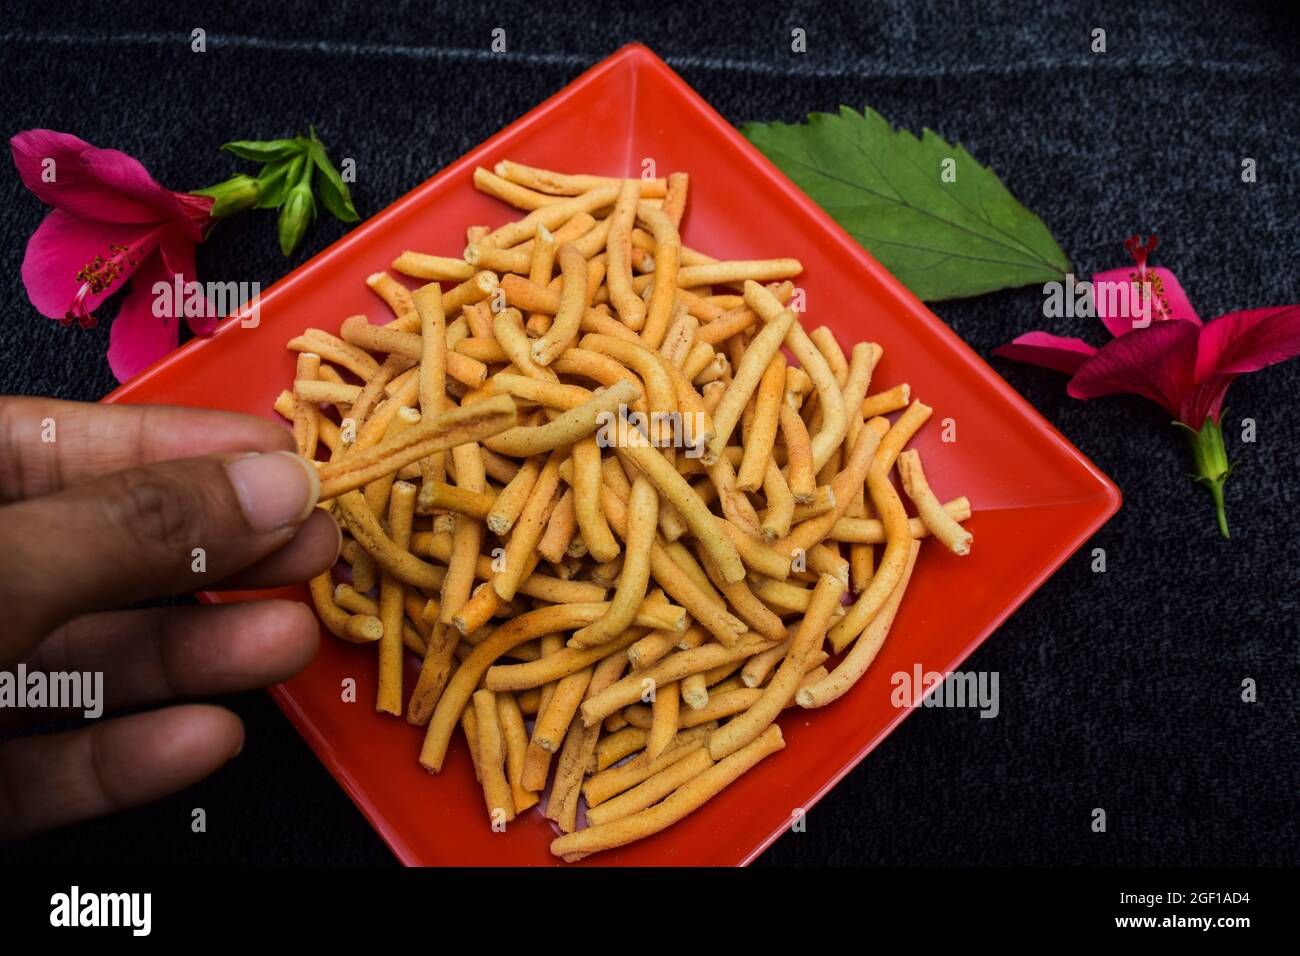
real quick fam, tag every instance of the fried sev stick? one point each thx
(727, 699)
(419, 265)
(800, 475)
(333, 349)
(509, 504)
(528, 529)
(758, 356)
(376, 492)
(760, 437)
(882, 403)
(561, 184)
(872, 531)
(613, 747)
(607, 783)
(526, 627)
(438, 496)
(433, 367)
(618, 266)
(306, 433)
(652, 789)
(552, 217)
(811, 533)
(933, 515)
(682, 801)
(492, 757)
(370, 534)
(558, 540)
(746, 727)
(898, 536)
(537, 761)
(665, 707)
(524, 441)
(568, 314)
(392, 603)
(671, 668)
(488, 417)
(643, 519)
(579, 748)
(586, 502)
(555, 666)
(512, 193)
(673, 487)
(664, 291)
(553, 724)
(515, 736)
(864, 650)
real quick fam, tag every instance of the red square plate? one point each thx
(1037, 499)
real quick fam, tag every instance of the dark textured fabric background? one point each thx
(1118, 690)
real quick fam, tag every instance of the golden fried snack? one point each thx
(392, 602)
(682, 801)
(618, 265)
(568, 313)
(745, 728)
(933, 514)
(872, 531)
(515, 736)
(864, 650)
(748, 481)
(524, 440)
(488, 417)
(492, 757)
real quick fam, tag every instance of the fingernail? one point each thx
(275, 490)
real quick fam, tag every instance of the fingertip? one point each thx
(300, 639)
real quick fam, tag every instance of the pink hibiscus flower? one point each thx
(111, 222)
(1162, 351)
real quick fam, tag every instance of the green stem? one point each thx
(1211, 460)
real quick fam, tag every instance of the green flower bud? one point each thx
(1212, 468)
(296, 216)
(234, 195)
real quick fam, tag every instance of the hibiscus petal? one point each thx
(75, 188)
(1118, 308)
(1049, 351)
(63, 244)
(1234, 344)
(127, 175)
(178, 256)
(138, 337)
(1156, 362)
(1248, 341)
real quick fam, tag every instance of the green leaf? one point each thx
(887, 188)
(333, 190)
(276, 180)
(265, 151)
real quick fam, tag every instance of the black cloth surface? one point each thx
(1119, 690)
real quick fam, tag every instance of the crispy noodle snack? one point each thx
(620, 500)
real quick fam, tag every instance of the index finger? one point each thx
(47, 445)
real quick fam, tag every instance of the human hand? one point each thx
(104, 506)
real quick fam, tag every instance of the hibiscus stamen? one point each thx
(1151, 285)
(95, 276)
